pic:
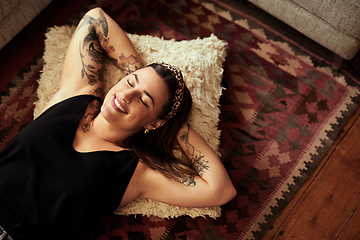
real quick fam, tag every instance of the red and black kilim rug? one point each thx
(279, 115)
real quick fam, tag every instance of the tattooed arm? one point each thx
(197, 158)
(96, 36)
(212, 188)
(112, 40)
(205, 161)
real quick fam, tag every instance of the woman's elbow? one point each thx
(94, 10)
(230, 194)
(224, 195)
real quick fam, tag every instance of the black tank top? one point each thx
(50, 191)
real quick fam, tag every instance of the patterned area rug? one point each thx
(279, 115)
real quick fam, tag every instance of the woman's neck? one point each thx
(98, 135)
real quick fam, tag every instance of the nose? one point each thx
(129, 95)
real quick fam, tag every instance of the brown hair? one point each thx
(156, 148)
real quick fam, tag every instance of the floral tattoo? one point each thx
(196, 157)
(96, 45)
(94, 109)
(125, 63)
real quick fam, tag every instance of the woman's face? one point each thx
(135, 101)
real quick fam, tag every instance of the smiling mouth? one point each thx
(118, 105)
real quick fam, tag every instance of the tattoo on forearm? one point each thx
(100, 44)
(103, 33)
(196, 157)
(126, 63)
(101, 26)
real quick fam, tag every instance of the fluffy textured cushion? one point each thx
(200, 61)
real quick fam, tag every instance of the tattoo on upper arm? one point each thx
(93, 69)
(196, 157)
(91, 72)
(188, 181)
(200, 164)
(94, 44)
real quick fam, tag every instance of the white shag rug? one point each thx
(200, 61)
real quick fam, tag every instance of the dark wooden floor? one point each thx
(325, 207)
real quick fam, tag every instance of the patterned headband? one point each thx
(179, 93)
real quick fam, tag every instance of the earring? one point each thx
(146, 131)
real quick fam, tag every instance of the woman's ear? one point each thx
(155, 125)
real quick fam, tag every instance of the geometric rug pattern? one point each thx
(279, 115)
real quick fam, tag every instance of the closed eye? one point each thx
(128, 82)
(146, 92)
(143, 102)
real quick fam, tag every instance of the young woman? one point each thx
(83, 157)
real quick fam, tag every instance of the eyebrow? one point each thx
(146, 92)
